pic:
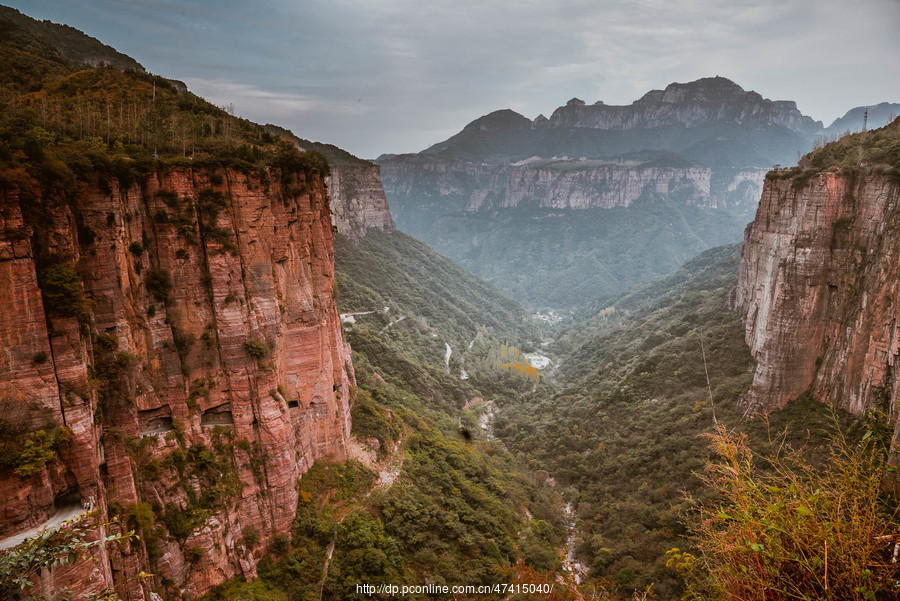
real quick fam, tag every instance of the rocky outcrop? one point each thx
(705, 100)
(203, 376)
(818, 285)
(358, 203)
(357, 197)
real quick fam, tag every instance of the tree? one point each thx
(64, 543)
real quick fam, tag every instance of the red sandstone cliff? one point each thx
(818, 283)
(209, 375)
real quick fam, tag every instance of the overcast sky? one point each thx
(376, 76)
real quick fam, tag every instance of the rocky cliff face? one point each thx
(357, 197)
(818, 284)
(202, 377)
(593, 186)
(449, 186)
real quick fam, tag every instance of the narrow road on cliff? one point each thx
(62, 514)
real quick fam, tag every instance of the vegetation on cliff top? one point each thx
(62, 123)
(875, 151)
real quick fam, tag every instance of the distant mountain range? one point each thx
(682, 167)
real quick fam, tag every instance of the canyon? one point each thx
(174, 357)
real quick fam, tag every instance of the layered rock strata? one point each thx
(450, 186)
(818, 285)
(357, 197)
(208, 373)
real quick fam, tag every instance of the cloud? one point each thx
(251, 100)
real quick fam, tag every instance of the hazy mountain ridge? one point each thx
(703, 100)
(878, 115)
(675, 119)
(706, 144)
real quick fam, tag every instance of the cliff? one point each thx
(593, 186)
(357, 200)
(358, 203)
(819, 277)
(181, 329)
(432, 185)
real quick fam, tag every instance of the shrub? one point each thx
(194, 554)
(108, 341)
(183, 341)
(250, 537)
(38, 450)
(140, 517)
(256, 348)
(281, 544)
(794, 531)
(159, 282)
(39, 358)
(135, 248)
(62, 290)
(177, 522)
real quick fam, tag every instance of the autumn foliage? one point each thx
(786, 529)
(512, 359)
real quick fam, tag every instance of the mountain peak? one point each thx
(705, 100)
(705, 89)
(502, 119)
